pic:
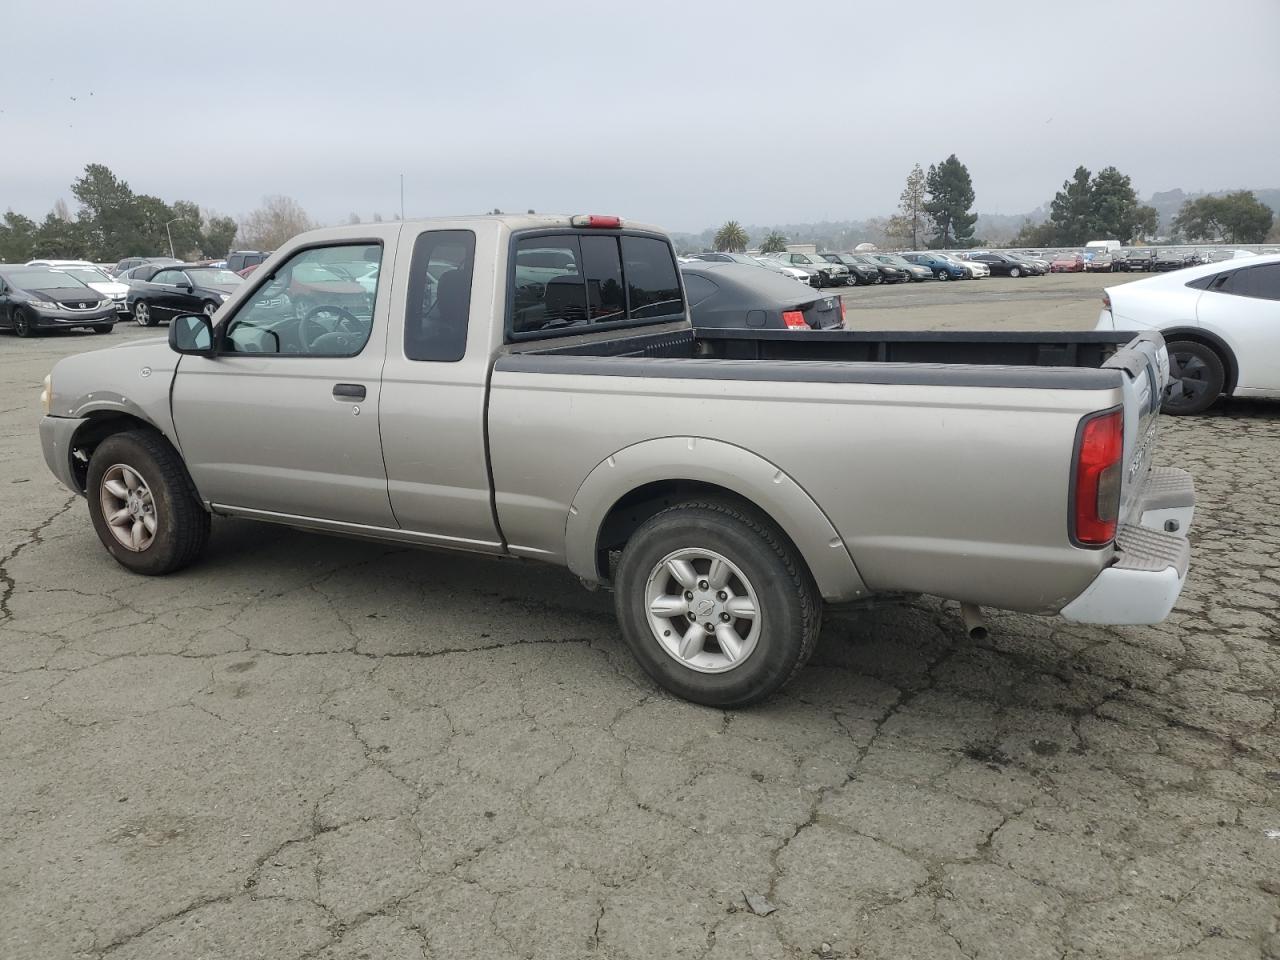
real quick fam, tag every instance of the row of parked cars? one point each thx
(1138, 260)
(850, 269)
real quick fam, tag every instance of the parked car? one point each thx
(33, 299)
(128, 263)
(805, 275)
(1040, 261)
(184, 288)
(1168, 260)
(1102, 261)
(93, 277)
(237, 260)
(829, 274)
(915, 271)
(943, 268)
(885, 272)
(1000, 264)
(861, 271)
(1031, 266)
(1067, 263)
(534, 398)
(746, 297)
(976, 269)
(1220, 321)
(1140, 260)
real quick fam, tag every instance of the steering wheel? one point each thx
(345, 332)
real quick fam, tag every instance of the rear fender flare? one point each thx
(720, 464)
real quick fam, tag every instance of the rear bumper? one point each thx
(1152, 558)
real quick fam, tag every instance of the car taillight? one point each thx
(1099, 452)
(842, 310)
(596, 220)
(794, 320)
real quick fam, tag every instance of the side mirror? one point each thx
(191, 333)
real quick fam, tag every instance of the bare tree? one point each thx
(278, 219)
(61, 211)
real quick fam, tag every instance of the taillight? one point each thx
(795, 320)
(596, 220)
(1098, 463)
(842, 311)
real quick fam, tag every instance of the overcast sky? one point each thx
(683, 114)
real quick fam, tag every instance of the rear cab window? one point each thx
(571, 280)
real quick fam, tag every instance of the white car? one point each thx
(975, 269)
(1221, 322)
(805, 275)
(91, 275)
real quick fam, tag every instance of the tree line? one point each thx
(113, 221)
(935, 210)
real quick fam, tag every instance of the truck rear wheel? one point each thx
(716, 604)
(142, 504)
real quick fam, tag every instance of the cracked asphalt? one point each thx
(315, 748)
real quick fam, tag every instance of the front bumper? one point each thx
(56, 434)
(50, 319)
(1152, 558)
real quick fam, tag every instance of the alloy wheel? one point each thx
(702, 610)
(128, 506)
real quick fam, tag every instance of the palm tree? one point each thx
(774, 243)
(731, 238)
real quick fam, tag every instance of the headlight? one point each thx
(46, 393)
(223, 297)
(45, 305)
(104, 303)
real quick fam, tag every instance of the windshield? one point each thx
(42, 280)
(214, 276)
(892, 260)
(770, 264)
(85, 274)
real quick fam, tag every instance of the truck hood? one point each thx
(131, 378)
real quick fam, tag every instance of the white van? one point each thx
(1111, 246)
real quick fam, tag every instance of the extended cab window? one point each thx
(571, 280)
(435, 323)
(319, 302)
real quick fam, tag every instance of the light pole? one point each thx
(170, 235)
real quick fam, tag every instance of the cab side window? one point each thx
(318, 303)
(439, 295)
(171, 277)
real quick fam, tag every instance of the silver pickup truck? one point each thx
(531, 387)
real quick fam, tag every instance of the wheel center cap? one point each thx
(704, 607)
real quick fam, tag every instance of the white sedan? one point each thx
(1221, 322)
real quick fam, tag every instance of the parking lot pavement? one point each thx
(310, 747)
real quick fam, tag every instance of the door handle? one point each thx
(351, 392)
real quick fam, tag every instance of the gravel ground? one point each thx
(310, 747)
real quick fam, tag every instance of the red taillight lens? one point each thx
(1099, 452)
(596, 220)
(842, 310)
(795, 320)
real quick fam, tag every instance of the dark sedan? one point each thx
(185, 288)
(1032, 267)
(861, 271)
(1000, 264)
(128, 263)
(738, 296)
(914, 270)
(1171, 260)
(37, 298)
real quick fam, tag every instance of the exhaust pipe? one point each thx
(974, 624)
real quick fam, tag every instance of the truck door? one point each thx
(284, 421)
(434, 387)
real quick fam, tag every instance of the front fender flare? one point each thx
(724, 465)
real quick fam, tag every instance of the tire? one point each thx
(767, 575)
(1197, 376)
(22, 323)
(142, 314)
(181, 525)
(942, 275)
(103, 328)
(1015, 273)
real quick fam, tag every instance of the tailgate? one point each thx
(1145, 363)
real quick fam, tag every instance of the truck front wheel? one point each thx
(143, 507)
(716, 604)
